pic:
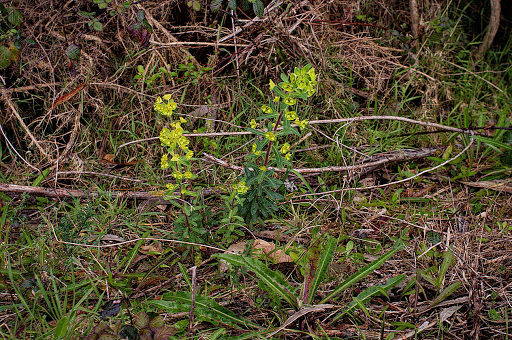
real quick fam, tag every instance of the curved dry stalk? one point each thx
(25, 127)
(398, 156)
(316, 122)
(396, 182)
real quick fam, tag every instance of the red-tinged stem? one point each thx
(270, 142)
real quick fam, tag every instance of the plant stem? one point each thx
(270, 142)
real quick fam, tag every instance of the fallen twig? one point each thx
(390, 157)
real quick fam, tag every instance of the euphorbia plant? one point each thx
(255, 196)
(279, 119)
(178, 158)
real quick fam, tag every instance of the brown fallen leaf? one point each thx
(154, 249)
(504, 185)
(262, 249)
(109, 159)
(67, 96)
(269, 249)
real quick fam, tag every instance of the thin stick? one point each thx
(97, 174)
(396, 182)
(400, 155)
(25, 127)
(316, 122)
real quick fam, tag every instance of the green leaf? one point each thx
(41, 177)
(14, 17)
(493, 144)
(61, 328)
(268, 116)
(141, 320)
(369, 293)
(258, 8)
(164, 333)
(141, 16)
(5, 57)
(232, 4)
(361, 274)
(156, 322)
(73, 52)
(98, 26)
(15, 52)
(274, 280)
(447, 263)
(322, 266)
(216, 5)
(256, 132)
(205, 308)
(446, 293)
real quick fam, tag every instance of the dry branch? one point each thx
(156, 195)
(492, 29)
(378, 161)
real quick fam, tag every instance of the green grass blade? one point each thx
(323, 265)
(362, 274)
(447, 263)
(274, 280)
(204, 307)
(445, 293)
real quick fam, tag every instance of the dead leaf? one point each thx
(269, 249)
(263, 248)
(278, 235)
(109, 157)
(236, 248)
(67, 96)
(447, 313)
(504, 185)
(154, 249)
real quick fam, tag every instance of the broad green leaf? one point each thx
(141, 16)
(5, 57)
(362, 273)
(61, 328)
(369, 293)
(98, 26)
(73, 52)
(322, 266)
(15, 52)
(232, 4)
(204, 307)
(447, 263)
(445, 293)
(14, 17)
(256, 132)
(274, 280)
(258, 8)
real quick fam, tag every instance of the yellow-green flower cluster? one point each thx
(240, 188)
(284, 150)
(178, 154)
(254, 151)
(165, 105)
(270, 136)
